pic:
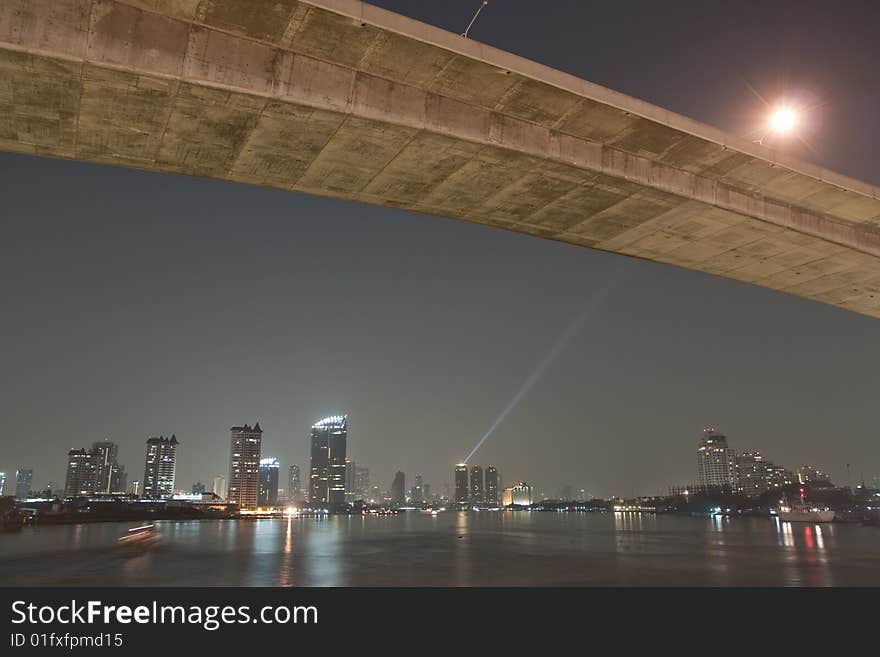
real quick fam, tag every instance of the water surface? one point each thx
(452, 549)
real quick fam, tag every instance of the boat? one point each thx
(803, 512)
(140, 538)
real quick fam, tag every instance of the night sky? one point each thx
(137, 304)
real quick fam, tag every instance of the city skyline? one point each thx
(257, 481)
(136, 294)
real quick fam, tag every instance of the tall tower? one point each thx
(716, 465)
(492, 486)
(398, 488)
(293, 485)
(80, 480)
(349, 480)
(105, 466)
(23, 478)
(461, 484)
(477, 486)
(418, 490)
(327, 477)
(244, 466)
(270, 468)
(160, 464)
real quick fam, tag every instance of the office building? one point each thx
(518, 494)
(715, 461)
(105, 465)
(361, 483)
(418, 490)
(751, 473)
(808, 474)
(218, 486)
(327, 477)
(398, 488)
(477, 485)
(492, 497)
(160, 464)
(80, 479)
(2, 484)
(349, 480)
(270, 469)
(294, 489)
(23, 477)
(461, 484)
(244, 466)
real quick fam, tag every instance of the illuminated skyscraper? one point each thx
(461, 484)
(492, 486)
(23, 477)
(270, 469)
(477, 487)
(244, 466)
(349, 480)
(2, 483)
(715, 461)
(160, 464)
(398, 488)
(80, 480)
(418, 490)
(327, 477)
(361, 483)
(294, 490)
(106, 467)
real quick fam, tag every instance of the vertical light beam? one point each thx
(558, 347)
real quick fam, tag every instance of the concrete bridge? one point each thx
(342, 99)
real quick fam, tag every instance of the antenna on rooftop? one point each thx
(474, 19)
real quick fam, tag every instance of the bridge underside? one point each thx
(341, 99)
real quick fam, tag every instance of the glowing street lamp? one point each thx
(783, 120)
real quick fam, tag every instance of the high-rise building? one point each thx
(327, 477)
(294, 490)
(715, 461)
(808, 474)
(418, 490)
(751, 473)
(398, 488)
(461, 484)
(520, 493)
(477, 486)
(218, 486)
(160, 465)
(270, 469)
(244, 466)
(349, 480)
(198, 488)
(492, 498)
(105, 465)
(777, 476)
(80, 480)
(2, 483)
(134, 488)
(23, 477)
(361, 483)
(118, 479)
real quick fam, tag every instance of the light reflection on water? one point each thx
(457, 549)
